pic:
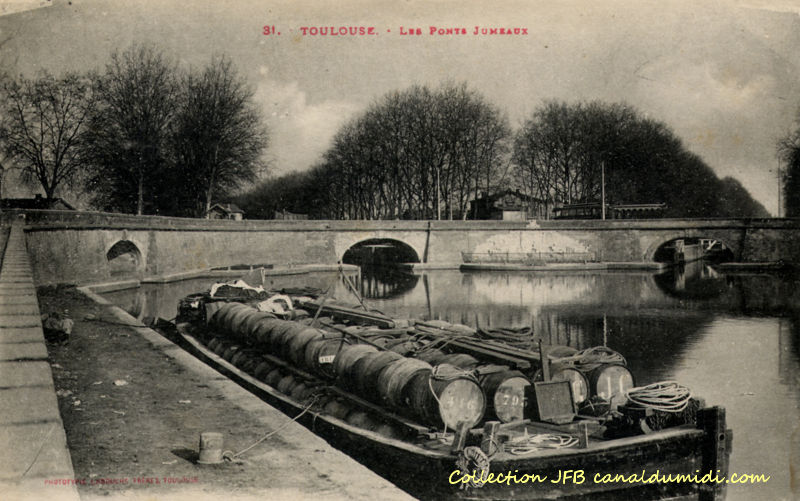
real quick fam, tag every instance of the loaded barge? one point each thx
(447, 410)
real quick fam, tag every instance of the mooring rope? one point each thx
(230, 456)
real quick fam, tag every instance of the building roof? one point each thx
(506, 200)
(37, 203)
(228, 208)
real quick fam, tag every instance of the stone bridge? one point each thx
(92, 247)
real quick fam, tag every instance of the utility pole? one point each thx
(438, 195)
(603, 189)
(779, 188)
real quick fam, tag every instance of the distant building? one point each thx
(618, 211)
(225, 211)
(507, 205)
(36, 203)
(285, 214)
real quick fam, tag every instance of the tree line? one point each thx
(789, 155)
(143, 136)
(424, 153)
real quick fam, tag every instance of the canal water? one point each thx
(734, 339)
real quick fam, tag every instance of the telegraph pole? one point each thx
(779, 188)
(603, 189)
(438, 196)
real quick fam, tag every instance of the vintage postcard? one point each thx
(409, 250)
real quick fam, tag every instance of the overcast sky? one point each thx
(723, 75)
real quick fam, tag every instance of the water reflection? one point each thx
(694, 280)
(379, 282)
(733, 339)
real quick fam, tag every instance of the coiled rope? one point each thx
(448, 372)
(541, 441)
(591, 358)
(666, 396)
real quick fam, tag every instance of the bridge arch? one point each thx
(124, 257)
(380, 251)
(724, 244)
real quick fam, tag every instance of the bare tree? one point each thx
(417, 153)
(789, 153)
(560, 150)
(128, 130)
(218, 136)
(43, 123)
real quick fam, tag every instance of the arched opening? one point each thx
(123, 258)
(686, 250)
(380, 259)
(380, 252)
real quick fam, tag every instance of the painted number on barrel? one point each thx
(327, 359)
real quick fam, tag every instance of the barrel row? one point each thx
(400, 383)
(305, 392)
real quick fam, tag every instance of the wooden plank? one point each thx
(351, 314)
(492, 355)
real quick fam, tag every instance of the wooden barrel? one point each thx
(252, 363)
(221, 347)
(320, 354)
(393, 379)
(274, 376)
(460, 360)
(445, 401)
(347, 358)
(276, 336)
(388, 431)
(219, 318)
(238, 358)
(369, 367)
(286, 384)
(404, 348)
(261, 370)
(213, 343)
(361, 419)
(353, 374)
(433, 357)
(230, 352)
(505, 395)
(263, 330)
(286, 339)
(577, 380)
(337, 409)
(610, 382)
(226, 314)
(236, 322)
(252, 322)
(297, 344)
(299, 392)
